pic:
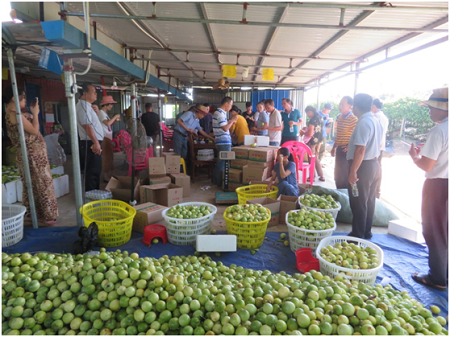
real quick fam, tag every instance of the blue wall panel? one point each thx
(276, 95)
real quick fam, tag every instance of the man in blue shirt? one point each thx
(362, 155)
(188, 123)
(325, 113)
(221, 127)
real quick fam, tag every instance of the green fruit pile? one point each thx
(9, 174)
(54, 175)
(247, 213)
(350, 255)
(122, 294)
(319, 201)
(188, 212)
(311, 220)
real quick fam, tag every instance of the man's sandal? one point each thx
(425, 280)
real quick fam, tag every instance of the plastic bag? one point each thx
(55, 152)
(381, 217)
(88, 239)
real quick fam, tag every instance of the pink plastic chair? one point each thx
(140, 156)
(299, 150)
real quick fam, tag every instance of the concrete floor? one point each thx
(67, 215)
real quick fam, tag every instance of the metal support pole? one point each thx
(134, 134)
(23, 144)
(356, 79)
(161, 119)
(71, 89)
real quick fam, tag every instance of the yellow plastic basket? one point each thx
(255, 191)
(249, 235)
(114, 219)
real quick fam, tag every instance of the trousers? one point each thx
(363, 206)
(220, 164)
(93, 163)
(435, 227)
(180, 145)
(381, 175)
(284, 188)
(285, 139)
(341, 168)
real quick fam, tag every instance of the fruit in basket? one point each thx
(186, 295)
(188, 212)
(319, 201)
(311, 220)
(247, 213)
(350, 255)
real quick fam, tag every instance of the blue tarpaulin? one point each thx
(401, 257)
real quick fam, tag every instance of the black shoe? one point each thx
(368, 237)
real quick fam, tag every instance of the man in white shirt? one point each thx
(90, 131)
(377, 105)
(433, 159)
(275, 125)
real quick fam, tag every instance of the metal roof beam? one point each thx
(209, 31)
(377, 7)
(218, 71)
(67, 36)
(255, 23)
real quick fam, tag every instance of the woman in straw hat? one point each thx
(433, 159)
(107, 147)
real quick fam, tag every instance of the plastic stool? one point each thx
(154, 231)
(182, 163)
(306, 261)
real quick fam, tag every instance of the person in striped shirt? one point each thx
(221, 127)
(346, 122)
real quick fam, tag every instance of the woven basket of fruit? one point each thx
(248, 223)
(353, 258)
(324, 203)
(187, 220)
(255, 191)
(308, 227)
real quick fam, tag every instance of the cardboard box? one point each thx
(162, 194)
(287, 203)
(253, 173)
(120, 188)
(184, 181)
(241, 151)
(156, 165)
(261, 154)
(173, 163)
(407, 229)
(273, 205)
(166, 154)
(155, 179)
(231, 186)
(234, 176)
(9, 193)
(238, 164)
(259, 140)
(147, 214)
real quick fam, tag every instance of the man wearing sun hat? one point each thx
(433, 159)
(108, 154)
(186, 124)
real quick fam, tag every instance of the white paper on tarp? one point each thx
(259, 140)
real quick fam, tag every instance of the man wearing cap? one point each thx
(384, 121)
(325, 113)
(433, 159)
(151, 122)
(108, 154)
(362, 155)
(188, 123)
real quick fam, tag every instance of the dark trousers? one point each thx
(381, 173)
(363, 206)
(93, 163)
(435, 227)
(341, 169)
(285, 139)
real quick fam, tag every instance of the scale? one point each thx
(226, 197)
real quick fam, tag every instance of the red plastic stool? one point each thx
(154, 231)
(306, 261)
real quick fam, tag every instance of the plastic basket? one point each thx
(367, 276)
(184, 231)
(114, 219)
(255, 191)
(333, 211)
(306, 238)
(249, 235)
(12, 224)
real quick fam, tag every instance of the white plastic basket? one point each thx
(12, 224)
(306, 238)
(185, 231)
(333, 211)
(367, 276)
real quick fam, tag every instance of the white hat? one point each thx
(438, 100)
